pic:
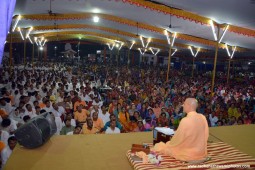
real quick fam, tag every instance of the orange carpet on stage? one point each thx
(223, 156)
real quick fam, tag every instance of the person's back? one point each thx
(189, 142)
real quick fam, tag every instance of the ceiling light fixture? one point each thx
(110, 47)
(141, 38)
(213, 30)
(194, 55)
(30, 40)
(140, 50)
(20, 33)
(191, 50)
(121, 46)
(29, 31)
(133, 42)
(224, 33)
(233, 52)
(96, 19)
(16, 23)
(36, 41)
(152, 51)
(169, 38)
(44, 42)
(157, 51)
(174, 39)
(174, 52)
(148, 42)
(226, 45)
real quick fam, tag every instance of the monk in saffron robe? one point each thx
(189, 142)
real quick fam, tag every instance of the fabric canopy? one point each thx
(6, 12)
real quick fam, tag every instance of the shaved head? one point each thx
(190, 105)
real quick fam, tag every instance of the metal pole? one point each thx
(228, 70)
(233, 72)
(25, 52)
(10, 57)
(193, 67)
(118, 58)
(33, 55)
(169, 62)
(38, 54)
(215, 60)
(128, 57)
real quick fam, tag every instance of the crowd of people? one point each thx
(106, 99)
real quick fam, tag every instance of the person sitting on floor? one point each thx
(189, 142)
(7, 151)
(112, 129)
(67, 128)
(77, 131)
(88, 128)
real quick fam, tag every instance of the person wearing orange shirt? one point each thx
(78, 103)
(81, 115)
(189, 142)
(97, 122)
(124, 119)
(88, 128)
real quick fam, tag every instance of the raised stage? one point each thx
(92, 152)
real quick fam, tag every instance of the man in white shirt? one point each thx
(97, 102)
(213, 119)
(9, 125)
(58, 111)
(112, 129)
(4, 136)
(104, 114)
(48, 107)
(30, 111)
(6, 106)
(7, 151)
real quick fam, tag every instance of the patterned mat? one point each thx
(223, 156)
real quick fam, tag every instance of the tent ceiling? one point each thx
(227, 11)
